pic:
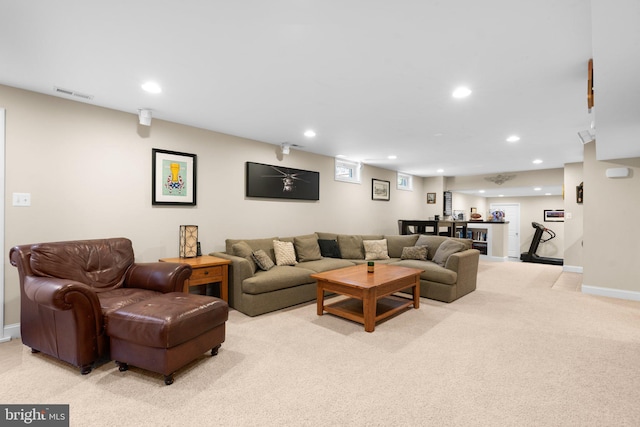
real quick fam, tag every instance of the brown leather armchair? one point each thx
(67, 289)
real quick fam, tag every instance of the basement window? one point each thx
(405, 182)
(347, 171)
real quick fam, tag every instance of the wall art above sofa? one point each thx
(281, 183)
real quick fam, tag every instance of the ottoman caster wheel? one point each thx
(122, 366)
(214, 350)
(35, 351)
(84, 370)
(168, 379)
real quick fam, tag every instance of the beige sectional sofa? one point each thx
(254, 291)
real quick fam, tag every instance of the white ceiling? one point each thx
(373, 78)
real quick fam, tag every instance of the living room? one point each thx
(88, 172)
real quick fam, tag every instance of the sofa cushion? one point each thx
(285, 253)
(325, 264)
(375, 249)
(115, 299)
(279, 277)
(329, 248)
(432, 271)
(351, 246)
(265, 244)
(446, 249)
(395, 243)
(243, 250)
(101, 263)
(262, 260)
(414, 252)
(307, 248)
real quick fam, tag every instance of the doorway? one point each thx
(511, 214)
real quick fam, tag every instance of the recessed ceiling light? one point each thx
(392, 157)
(481, 191)
(547, 194)
(537, 189)
(309, 134)
(537, 161)
(440, 170)
(461, 92)
(513, 138)
(500, 195)
(341, 156)
(152, 87)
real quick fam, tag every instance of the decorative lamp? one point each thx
(188, 241)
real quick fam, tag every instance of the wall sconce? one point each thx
(286, 148)
(188, 241)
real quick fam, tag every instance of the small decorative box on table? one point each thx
(206, 269)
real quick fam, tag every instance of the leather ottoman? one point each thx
(165, 333)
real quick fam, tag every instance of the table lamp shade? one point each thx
(188, 241)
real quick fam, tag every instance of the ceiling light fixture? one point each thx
(392, 157)
(537, 189)
(151, 87)
(537, 161)
(461, 92)
(309, 134)
(513, 138)
(440, 170)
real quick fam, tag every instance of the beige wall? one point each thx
(546, 177)
(88, 170)
(574, 216)
(532, 210)
(611, 245)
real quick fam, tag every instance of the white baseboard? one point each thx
(494, 258)
(572, 268)
(11, 331)
(612, 293)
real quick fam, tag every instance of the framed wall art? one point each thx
(431, 198)
(173, 178)
(380, 189)
(554, 215)
(278, 182)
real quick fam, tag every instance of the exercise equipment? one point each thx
(537, 239)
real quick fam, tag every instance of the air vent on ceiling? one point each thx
(72, 93)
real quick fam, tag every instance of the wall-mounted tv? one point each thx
(278, 182)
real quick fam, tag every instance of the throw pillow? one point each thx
(423, 240)
(262, 260)
(375, 249)
(414, 252)
(307, 248)
(350, 246)
(445, 250)
(329, 248)
(285, 253)
(243, 250)
(395, 243)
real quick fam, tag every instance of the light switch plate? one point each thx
(21, 199)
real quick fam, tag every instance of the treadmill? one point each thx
(537, 239)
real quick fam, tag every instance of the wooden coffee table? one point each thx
(371, 298)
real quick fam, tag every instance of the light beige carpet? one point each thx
(524, 349)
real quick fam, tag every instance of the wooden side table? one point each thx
(206, 269)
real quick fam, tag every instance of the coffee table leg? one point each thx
(369, 310)
(320, 298)
(416, 293)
